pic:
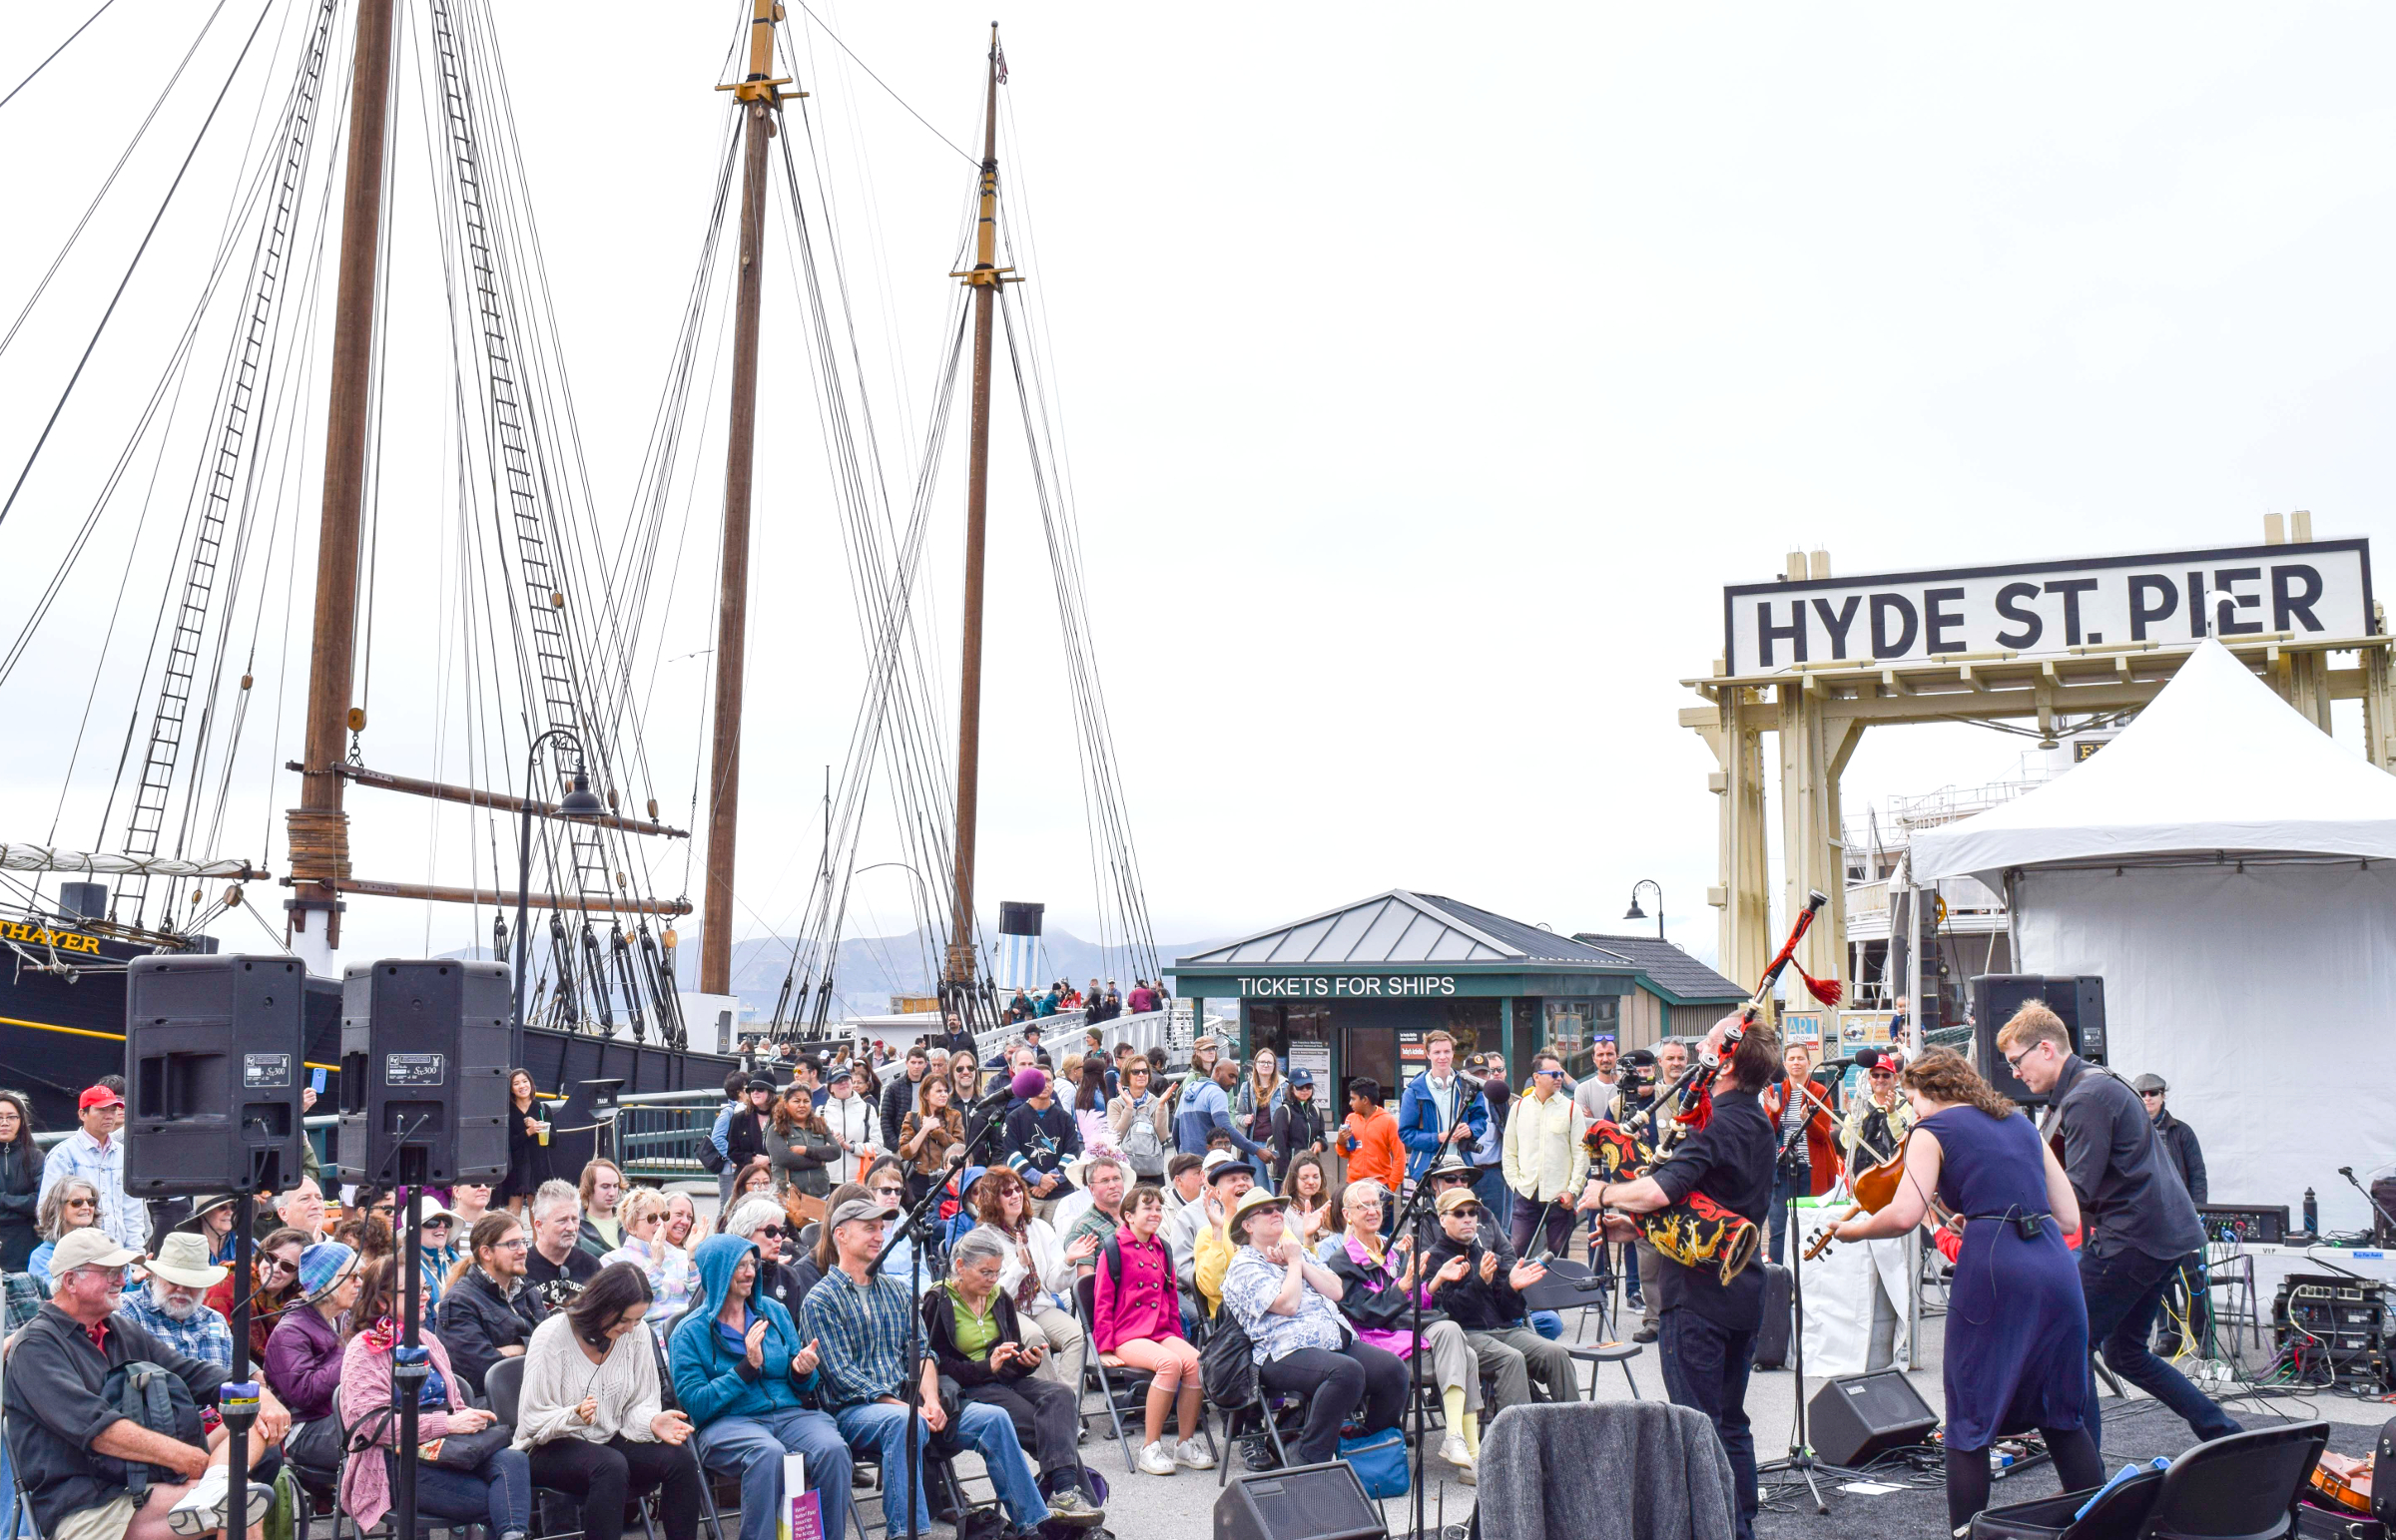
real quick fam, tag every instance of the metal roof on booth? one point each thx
(1667, 970)
(1399, 927)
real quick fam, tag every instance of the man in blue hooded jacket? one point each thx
(739, 1370)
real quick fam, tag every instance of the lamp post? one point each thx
(1638, 914)
(580, 805)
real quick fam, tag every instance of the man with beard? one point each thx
(173, 1305)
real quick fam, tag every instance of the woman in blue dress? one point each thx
(2017, 1323)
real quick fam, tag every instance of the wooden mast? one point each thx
(984, 278)
(759, 103)
(319, 828)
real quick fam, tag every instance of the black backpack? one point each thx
(144, 1393)
(1227, 1365)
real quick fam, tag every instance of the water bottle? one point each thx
(2312, 1214)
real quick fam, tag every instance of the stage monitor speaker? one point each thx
(212, 1074)
(1303, 1502)
(2077, 1000)
(424, 1063)
(1858, 1419)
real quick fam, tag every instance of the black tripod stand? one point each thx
(914, 1226)
(1415, 1210)
(1800, 1457)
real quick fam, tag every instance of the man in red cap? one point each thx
(95, 1153)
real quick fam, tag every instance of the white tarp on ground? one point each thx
(2264, 996)
(2217, 762)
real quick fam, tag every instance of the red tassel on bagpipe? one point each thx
(1826, 990)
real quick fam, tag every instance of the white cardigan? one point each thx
(557, 1376)
(1056, 1274)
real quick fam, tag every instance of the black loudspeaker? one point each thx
(1772, 1338)
(1856, 1420)
(2079, 1001)
(1303, 1502)
(424, 1064)
(212, 1074)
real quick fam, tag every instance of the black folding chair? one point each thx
(2243, 1487)
(1122, 1388)
(672, 1403)
(1560, 1292)
(503, 1385)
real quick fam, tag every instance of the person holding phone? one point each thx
(593, 1419)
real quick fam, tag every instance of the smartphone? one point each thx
(315, 1082)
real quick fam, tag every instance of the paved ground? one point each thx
(1181, 1507)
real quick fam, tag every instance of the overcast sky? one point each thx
(1427, 373)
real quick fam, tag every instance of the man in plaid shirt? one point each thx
(94, 1153)
(858, 1321)
(173, 1305)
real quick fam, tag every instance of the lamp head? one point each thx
(1634, 913)
(581, 802)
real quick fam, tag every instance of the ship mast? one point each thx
(760, 101)
(984, 277)
(318, 828)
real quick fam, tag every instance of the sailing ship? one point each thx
(537, 633)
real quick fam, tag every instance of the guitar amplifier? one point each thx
(2245, 1223)
(1860, 1419)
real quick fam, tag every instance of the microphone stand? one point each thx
(2384, 1217)
(911, 1392)
(1412, 1210)
(1800, 1457)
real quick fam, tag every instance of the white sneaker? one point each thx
(1192, 1452)
(1155, 1461)
(1452, 1450)
(202, 1510)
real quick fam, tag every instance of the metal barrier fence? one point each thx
(657, 1138)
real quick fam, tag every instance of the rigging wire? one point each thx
(970, 159)
(55, 52)
(130, 268)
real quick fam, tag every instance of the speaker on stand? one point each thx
(2077, 1000)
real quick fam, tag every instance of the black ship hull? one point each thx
(61, 1031)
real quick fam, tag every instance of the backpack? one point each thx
(1141, 1146)
(143, 1393)
(1226, 1364)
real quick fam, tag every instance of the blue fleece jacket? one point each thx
(711, 1380)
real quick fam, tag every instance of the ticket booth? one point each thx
(1358, 990)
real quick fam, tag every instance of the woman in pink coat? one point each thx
(1140, 1323)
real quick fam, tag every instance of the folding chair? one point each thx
(1560, 1293)
(672, 1403)
(1122, 1388)
(503, 1385)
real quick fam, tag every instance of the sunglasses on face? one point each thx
(80, 1203)
(887, 1192)
(276, 1266)
(770, 1231)
(1883, 1075)
(1471, 1210)
(436, 1224)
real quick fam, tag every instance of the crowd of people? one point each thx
(1084, 1201)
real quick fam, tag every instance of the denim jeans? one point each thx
(1705, 1368)
(499, 1494)
(2123, 1290)
(881, 1426)
(752, 1448)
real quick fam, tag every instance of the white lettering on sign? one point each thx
(1343, 986)
(2321, 589)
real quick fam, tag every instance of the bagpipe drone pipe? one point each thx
(1698, 1232)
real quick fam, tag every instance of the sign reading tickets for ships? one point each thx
(2318, 589)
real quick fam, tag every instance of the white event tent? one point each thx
(2230, 870)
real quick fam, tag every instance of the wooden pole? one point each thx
(758, 105)
(984, 279)
(318, 825)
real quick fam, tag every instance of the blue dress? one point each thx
(2016, 1322)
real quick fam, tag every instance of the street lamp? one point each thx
(1638, 914)
(580, 805)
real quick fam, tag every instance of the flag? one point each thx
(1001, 56)
(1019, 962)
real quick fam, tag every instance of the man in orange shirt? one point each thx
(1370, 1141)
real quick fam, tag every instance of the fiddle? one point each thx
(1875, 1189)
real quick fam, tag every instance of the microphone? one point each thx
(1866, 1058)
(995, 1099)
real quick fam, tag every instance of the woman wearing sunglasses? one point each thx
(73, 1203)
(1876, 1121)
(763, 1224)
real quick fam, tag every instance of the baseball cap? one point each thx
(1302, 1077)
(98, 1096)
(860, 1209)
(1222, 1163)
(839, 1072)
(89, 1247)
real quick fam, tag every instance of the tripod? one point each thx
(914, 1227)
(1415, 1210)
(1800, 1457)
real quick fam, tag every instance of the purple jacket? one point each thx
(304, 1363)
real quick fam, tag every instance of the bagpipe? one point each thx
(1699, 1231)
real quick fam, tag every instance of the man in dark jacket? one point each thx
(61, 1430)
(2190, 1300)
(898, 1097)
(491, 1311)
(2141, 1225)
(1485, 1297)
(1040, 1138)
